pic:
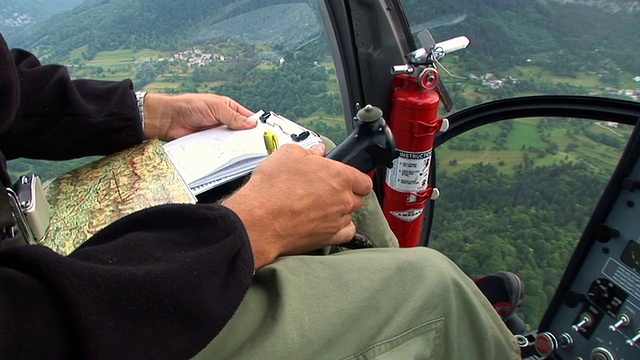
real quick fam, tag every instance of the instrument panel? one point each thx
(595, 312)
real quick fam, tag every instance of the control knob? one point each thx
(601, 353)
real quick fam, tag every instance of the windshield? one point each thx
(270, 55)
(523, 47)
(517, 194)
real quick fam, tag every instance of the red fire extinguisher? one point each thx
(414, 123)
(416, 96)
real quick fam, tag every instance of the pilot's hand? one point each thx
(298, 201)
(168, 117)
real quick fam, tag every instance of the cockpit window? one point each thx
(517, 194)
(270, 55)
(523, 48)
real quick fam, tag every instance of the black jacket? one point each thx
(158, 284)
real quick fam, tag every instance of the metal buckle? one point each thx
(20, 220)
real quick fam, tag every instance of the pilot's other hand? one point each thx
(298, 201)
(168, 117)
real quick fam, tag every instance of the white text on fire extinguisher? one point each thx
(410, 172)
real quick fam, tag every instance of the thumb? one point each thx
(235, 120)
(319, 149)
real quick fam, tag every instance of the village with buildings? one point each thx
(491, 81)
(17, 20)
(633, 94)
(196, 57)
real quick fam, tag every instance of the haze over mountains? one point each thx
(154, 24)
(19, 14)
(503, 32)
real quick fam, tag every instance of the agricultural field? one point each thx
(524, 145)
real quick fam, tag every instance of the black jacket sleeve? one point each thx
(59, 118)
(158, 284)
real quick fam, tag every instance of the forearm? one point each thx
(101, 117)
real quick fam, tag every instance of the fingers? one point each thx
(344, 235)
(291, 149)
(235, 120)
(357, 203)
(319, 149)
(234, 115)
(352, 184)
(361, 184)
(235, 106)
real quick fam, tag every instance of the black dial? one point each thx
(631, 255)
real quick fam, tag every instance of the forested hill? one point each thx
(152, 24)
(507, 32)
(529, 223)
(503, 32)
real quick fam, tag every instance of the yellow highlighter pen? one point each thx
(271, 142)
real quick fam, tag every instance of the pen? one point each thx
(270, 142)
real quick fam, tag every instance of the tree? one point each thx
(145, 74)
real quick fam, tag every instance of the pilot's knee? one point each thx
(432, 264)
(431, 256)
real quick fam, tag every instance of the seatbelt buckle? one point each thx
(30, 208)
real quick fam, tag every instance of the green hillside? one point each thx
(508, 32)
(504, 33)
(104, 25)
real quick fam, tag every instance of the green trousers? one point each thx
(383, 303)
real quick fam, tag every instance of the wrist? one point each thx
(264, 249)
(152, 109)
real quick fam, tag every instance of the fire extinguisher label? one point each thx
(407, 215)
(410, 172)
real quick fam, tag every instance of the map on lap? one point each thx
(89, 198)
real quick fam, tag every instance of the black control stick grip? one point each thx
(369, 145)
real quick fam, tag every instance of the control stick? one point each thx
(369, 145)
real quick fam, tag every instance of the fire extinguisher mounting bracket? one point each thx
(435, 194)
(428, 194)
(445, 125)
(424, 129)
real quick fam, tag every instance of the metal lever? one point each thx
(369, 145)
